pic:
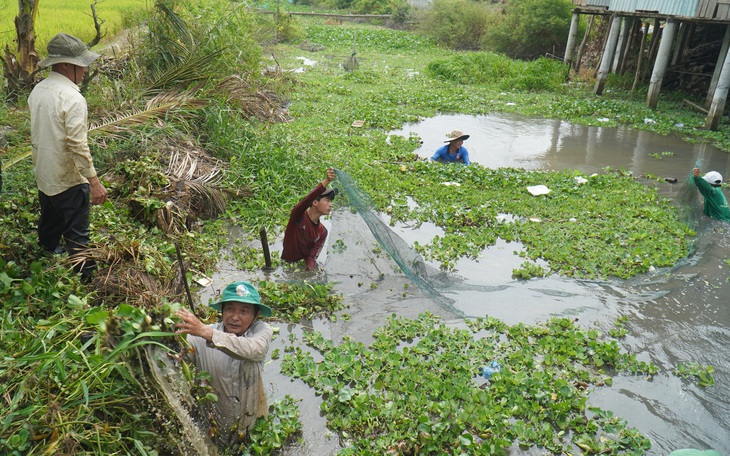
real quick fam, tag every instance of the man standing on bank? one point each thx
(305, 235)
(64, 170)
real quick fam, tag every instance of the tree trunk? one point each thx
(19, 66)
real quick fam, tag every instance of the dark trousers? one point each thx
(66, 216)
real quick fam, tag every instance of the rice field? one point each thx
(73, 17)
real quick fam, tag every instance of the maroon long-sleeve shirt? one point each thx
(303, 239)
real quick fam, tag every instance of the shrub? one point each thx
(530, 28)
(457, 24)
(500, 70)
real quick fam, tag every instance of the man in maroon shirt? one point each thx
(305, 235)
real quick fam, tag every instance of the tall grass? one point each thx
(72, 17)
(497, 69)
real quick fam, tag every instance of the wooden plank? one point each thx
(723, 11)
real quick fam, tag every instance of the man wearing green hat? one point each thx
(64, 170)
(233, 353)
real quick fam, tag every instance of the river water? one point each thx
(675, 316)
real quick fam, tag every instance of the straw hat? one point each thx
(456, 135)
(65, 48)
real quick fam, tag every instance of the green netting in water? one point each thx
(433, 282)
(689, 202)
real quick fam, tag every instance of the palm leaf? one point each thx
(157, 107)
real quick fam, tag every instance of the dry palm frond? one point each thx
(264, 105)
(192, 164)
(132, 285)
(121, 276)
(158, 106)
(205, 200)
(111, 253)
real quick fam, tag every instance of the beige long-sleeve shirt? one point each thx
(58, 131)
(236, 365)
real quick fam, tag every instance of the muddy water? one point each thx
(676, 315)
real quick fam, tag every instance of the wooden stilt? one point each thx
(623, 38)
(655, 36)
(681, 43)
(608, 52)
(718, 68)
(662, 62)
(642, 46)
(720, 96)
(583, 43)
(634, 32)
(568, 59)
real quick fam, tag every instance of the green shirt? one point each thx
(715, 202)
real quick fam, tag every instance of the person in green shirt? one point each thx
(710, 186)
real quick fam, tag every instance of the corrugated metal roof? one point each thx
(671, 7)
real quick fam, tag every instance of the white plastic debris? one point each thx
(510, 104)
(306, 61)
(649, 121)
(450, 184)
(603, 119)
(538, 190)
(580, 180)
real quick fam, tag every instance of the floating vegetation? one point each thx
(705, 375)
(417, 389)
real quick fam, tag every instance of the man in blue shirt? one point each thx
(453, 151)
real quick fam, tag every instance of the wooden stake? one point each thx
(184, 276)
(265, 248)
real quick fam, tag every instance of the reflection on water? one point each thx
(676, 316)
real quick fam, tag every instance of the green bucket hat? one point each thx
(242, 292)
(64, 48)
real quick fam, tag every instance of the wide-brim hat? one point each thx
(242, 292)
(329, 193)
(64, 48)
(456, 135)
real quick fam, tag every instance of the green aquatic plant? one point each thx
(619, 330)
(705, 375)
(294, 301)
(417, 388)
(528, 270)
(272, 433)
(611, 225)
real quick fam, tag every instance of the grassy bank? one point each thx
(65, 392)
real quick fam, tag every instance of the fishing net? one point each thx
(688, 201)
(434, 283)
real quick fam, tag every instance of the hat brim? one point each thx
(464, 137)
(83, 60)
(329, 193)
(265, 310)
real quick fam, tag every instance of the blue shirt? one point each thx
(442, 154)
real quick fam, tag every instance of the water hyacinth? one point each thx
(418, 388)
